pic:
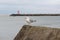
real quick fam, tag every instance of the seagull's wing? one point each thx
(32, 20)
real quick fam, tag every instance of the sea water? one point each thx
(10, 25)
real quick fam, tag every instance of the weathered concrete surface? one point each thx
(38, 33)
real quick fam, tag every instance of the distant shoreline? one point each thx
(35, 15)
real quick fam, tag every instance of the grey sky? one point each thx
(31, 6)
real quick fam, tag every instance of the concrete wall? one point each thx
(38, 33)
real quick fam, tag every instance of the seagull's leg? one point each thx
(29, 24)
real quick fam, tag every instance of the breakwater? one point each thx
(35, 15)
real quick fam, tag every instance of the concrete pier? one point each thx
(38, 33)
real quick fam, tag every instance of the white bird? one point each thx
(29, 21)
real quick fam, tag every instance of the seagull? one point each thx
(29, 21)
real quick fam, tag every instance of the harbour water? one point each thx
(10, 25)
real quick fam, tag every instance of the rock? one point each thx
(38, 33)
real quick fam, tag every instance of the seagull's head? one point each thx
(26, 17)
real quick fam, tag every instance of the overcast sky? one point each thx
(30, 6)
